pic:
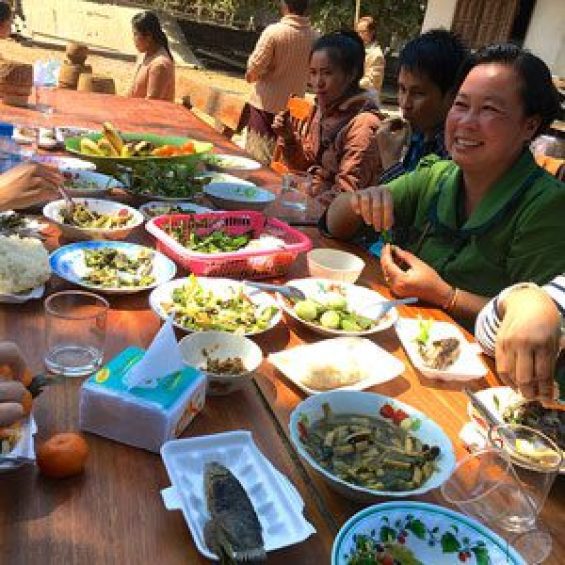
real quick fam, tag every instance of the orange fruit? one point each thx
(62, 455)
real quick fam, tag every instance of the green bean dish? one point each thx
(110, 268)
(372, 452)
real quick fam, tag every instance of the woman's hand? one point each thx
(282, 126)
(375, 206)
(28, 184)
(392, 136)
(527, 343)
(407, 275)
(11, 391)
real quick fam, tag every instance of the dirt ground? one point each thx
(121, 71)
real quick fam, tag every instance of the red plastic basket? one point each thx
(250, 264)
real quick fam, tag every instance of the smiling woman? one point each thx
(487, 219)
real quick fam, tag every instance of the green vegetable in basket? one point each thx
(215, 242)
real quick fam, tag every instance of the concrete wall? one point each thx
(101, 25)
(439, 13)
(546, 34)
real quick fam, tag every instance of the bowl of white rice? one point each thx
(24, 268)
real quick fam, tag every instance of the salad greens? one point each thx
(197, 308)
(215, 242)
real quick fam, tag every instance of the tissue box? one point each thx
(142, 417)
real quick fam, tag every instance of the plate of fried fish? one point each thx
(236, 504)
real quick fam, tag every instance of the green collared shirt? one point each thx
(516, 233)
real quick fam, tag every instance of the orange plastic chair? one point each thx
(300, 110)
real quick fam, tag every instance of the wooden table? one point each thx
(114, 513)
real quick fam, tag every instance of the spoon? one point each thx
(68, 200)
(379, 309)
(290, 292)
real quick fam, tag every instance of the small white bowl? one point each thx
(334, 265)
(221, 345)
(52, 212)
(233, 164)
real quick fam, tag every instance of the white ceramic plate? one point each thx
(149, 209)
(359, 299)
(468, 365)
(89, 183)
(434, 535)
(346, 354)
(222, 287)
(65, 163)
(24, 135)
(21, 297)
(277, 503)
(68, 263)
(52, 211)
(238, 195)
(369, 404)
(234, 164)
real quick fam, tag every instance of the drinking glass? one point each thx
(491, 486)
(75, 332)
(296, 190)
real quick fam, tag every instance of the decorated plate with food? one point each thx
(93, 219)
(112, 267)
(508, 406)
(339, 433)
(417, 533)
(113, 147)
(88, 183)
(352, 363)
(439, 350)
(200, 304)
(337, 308)
(158, 208)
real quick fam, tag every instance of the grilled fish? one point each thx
(440, 353)
(233, 532)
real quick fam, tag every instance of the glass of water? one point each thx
(296, 188)
(493, 487)
(75, 332)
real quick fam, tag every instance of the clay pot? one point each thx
(77, 53)
(70, 73)
(95, 83)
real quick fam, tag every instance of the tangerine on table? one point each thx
(62, 455)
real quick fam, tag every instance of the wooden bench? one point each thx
(227, 109)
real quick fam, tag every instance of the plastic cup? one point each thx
(75, 332)
(296, 190)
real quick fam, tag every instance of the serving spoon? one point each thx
(290, 292)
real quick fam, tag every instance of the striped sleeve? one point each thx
(488, 320)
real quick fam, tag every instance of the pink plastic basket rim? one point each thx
(154, 228)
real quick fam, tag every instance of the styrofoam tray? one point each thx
(24, 450)
(277, 503)
(466, 368)
(368, 358)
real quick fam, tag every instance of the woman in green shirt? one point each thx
(487, 219)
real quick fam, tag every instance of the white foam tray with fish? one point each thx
(466, 367)
(277, 503)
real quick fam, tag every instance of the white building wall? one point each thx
(439, 13)
(546, 34)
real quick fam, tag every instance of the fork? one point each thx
(68, 200)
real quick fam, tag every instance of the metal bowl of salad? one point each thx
(238, 196)
(88, 183)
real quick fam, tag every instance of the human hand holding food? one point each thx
(375, 206)
(392, 136)
(282, 126)
(527, 343)
(407, 275)
(28, 184)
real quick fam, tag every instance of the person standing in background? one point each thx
(155, 71)
(278, 67)
(374, 74)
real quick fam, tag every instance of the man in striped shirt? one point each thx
(523, 328)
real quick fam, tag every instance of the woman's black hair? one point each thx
(437, 54)
(346, 50)
(5, 11)
(537, 91)
(148, 23)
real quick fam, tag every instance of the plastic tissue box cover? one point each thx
(142, 417)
